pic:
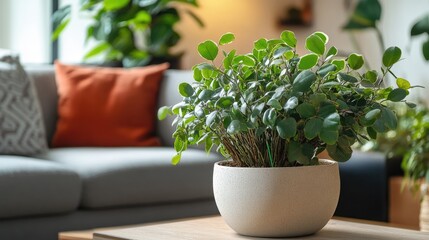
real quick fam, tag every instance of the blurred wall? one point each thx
(25, 29)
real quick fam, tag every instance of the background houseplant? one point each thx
(408, 140)
(130, 32)
(271, 109)
(416, 161)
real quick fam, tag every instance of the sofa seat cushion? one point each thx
(136, 176)
(31, 186)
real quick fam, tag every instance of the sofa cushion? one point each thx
(135, 176)
(107, 107)
(21, 126)
(169, 96)
(31, 186)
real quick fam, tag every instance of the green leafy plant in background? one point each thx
(367, 15)
(133, 32)
(419, 28)
(411, 139)
(274, 108)
(416, 158)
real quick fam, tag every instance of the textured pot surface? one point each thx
(277, 202)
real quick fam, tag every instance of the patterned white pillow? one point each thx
(21, 126)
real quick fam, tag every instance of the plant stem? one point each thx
(269, 154)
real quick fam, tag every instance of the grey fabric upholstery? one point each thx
(43, 77)
(30, 187)
(136, 176)
(47, 228)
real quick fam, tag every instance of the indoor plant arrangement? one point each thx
(416, 161)
(130, 32)
(272, 112)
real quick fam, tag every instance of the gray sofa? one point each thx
(84, 188)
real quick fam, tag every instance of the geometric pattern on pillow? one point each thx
(21, 125)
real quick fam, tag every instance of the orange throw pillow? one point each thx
(107, 107)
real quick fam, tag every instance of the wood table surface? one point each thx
(215, 228)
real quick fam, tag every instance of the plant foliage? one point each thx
(274, 108)
(131, 31)
(416, 159)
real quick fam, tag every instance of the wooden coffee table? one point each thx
(215, 228)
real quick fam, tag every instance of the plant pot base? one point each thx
(277, 202)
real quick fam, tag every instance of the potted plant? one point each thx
(416, 161)
(271, 112)
(130, 33)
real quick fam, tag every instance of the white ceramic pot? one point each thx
(277, 202)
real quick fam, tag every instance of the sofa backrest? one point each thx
(46, 88)
(44, 81)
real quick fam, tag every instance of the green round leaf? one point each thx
(312, 128)
(355, 61)
(261, 44)
(306, 110)
(208, 50)
(205, 95)
(371, 132)
(244, 60)
(373, 114)
(303, 81)
(235, 127)
(298, 152)
(346, 78)
(371, 76)
(197, 74)
(308, 61)
(332, 51)
(286, 128)
(211, 118)
(391, 56)
(225, 102)
(389, 118)
(163, 112)
(227, 62)
(421, 26)
(289, 55)
(275, 104)
(185, 89)
(403, 83)
(397, 95)
(323, 36)
(176, 159)
(289, 38)
(227, 38)
(329, 131)
(339, 153)
(339, 63)
(315, 44)
(291, 103)
(270, 117)
(323, 71)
